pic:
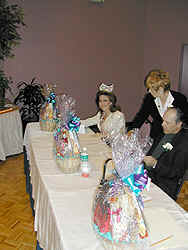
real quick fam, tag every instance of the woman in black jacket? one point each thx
(156, 102)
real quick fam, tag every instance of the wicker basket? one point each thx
(48, 125)
(69, 165)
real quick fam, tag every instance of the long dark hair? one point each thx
(112, 98)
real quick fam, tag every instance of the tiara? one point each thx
(106, 88)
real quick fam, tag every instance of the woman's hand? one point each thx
(130, 132)
(150, 161)
(106, 137)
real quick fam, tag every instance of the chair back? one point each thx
(186, 175)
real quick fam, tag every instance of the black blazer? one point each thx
(171, 165)
(149, 110)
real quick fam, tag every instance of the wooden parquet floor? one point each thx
(16, 220)
(183, 196)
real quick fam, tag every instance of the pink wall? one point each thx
(165, 33)
(76, 45)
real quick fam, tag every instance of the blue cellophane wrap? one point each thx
(118, 208)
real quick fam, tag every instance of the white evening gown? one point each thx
(113, 125)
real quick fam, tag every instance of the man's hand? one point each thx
(150, 161)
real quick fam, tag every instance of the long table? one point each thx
(63, 203)
(11, 138)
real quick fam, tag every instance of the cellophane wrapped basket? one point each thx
(48, 113)
(66, 143)
(118, 208)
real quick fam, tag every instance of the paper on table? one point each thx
(162, 226)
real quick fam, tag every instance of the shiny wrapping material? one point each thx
(128, 151)
(118, 218)
(66, 143)
(118, 207)
(66, 108)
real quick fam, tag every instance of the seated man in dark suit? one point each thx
(167, 159)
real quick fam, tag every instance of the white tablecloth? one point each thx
(11, 138)
(63, 203)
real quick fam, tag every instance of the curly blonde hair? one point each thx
(157, 79)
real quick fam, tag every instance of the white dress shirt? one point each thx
(162, 109)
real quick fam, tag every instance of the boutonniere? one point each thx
(170, 106)
(167, 146)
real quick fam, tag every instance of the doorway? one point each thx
(183, 83)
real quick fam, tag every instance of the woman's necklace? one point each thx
(102, 119)
(104, 116)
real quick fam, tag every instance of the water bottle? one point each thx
(84, 163)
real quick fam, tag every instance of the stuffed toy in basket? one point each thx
(66, 143)
(118, 208)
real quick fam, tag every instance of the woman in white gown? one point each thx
(109, 119)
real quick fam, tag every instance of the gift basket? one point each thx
(118, 208)
(66, 143)
(48, 113)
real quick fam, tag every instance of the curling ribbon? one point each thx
(51, 98)
(73, 123)
(138, 180)
(117, 213)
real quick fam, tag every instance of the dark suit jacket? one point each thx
(149, 109)
(171, 165)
